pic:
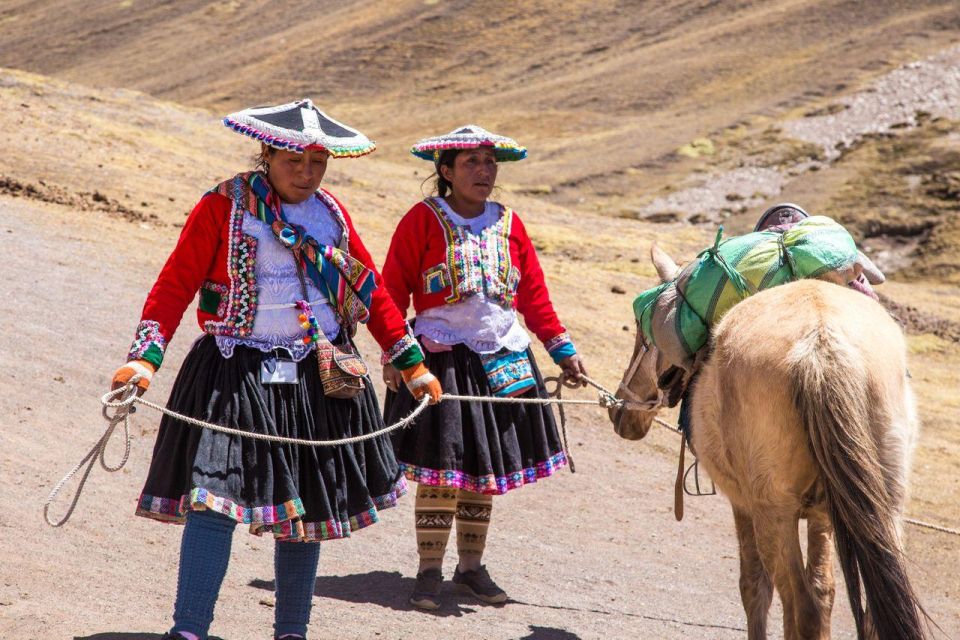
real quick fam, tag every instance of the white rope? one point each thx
(499, 400)
(128, 397)
(124, 406)
(628, 404)
(266, 436)
(97, 452)
(935, 527)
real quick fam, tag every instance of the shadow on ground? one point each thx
(391, 589)
(549, 633)
(133, 635)
(388, 589)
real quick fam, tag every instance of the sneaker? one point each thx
(480, 584)
(172, 636)
(426, 593)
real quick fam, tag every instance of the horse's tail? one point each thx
(832, 396)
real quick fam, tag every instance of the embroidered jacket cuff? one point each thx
(149, 344)
(560, 347)
(404, 354)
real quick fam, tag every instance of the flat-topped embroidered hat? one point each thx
(297, 126)
(469, 137)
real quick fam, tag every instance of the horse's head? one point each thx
(642, 383)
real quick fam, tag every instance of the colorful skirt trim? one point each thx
(484, 484)
(284, 521)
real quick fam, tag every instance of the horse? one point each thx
(802, 409)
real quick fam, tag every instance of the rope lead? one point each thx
(124, 400)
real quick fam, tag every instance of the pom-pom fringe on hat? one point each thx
(298, 126)
(469, 137)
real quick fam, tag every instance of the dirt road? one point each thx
(591, 555)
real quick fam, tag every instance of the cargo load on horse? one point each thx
(676, 316)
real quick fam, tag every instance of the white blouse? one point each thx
(278, 286)
(477, 321)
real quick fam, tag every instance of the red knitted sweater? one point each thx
(422, 259)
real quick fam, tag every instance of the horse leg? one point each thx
(756, 590)
(778, 539)
(820, 563)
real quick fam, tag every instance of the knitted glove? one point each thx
(135, 367)
(421, 382)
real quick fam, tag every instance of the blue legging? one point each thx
(204, 555)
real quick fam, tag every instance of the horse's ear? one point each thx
(666, 268)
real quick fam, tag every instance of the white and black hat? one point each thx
(469, 137)
(298, 126)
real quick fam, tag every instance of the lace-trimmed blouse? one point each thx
(478, 322)
(278, 286)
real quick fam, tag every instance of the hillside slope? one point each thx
(592, 87)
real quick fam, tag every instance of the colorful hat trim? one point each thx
(298, 126)
(469, 137)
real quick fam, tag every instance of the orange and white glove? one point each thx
(421, 382)
(141, 368)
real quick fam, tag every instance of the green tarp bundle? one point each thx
(733, 269)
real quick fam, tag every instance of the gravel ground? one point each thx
(893, 101)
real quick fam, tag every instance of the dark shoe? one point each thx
(426, 593)
(172, 636)
(480, 585)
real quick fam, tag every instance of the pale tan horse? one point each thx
(803, 410)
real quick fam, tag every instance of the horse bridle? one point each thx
(633, 401)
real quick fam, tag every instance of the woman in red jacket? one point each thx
(470, 266)
(284, 280)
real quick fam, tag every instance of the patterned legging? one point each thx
(435, 510)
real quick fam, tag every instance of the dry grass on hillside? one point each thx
(604, 93)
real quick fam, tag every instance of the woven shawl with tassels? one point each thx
(347, 282)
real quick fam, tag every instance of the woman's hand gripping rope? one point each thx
(418, 379)
(422, 383)
(573, 370)
(139, 372)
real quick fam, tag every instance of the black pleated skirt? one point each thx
(480, 447)
(294, 492)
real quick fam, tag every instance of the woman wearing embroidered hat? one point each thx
(470, 266)
(284, 280)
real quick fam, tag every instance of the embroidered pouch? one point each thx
(509, 373)
(436, 279)
(341, 369)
